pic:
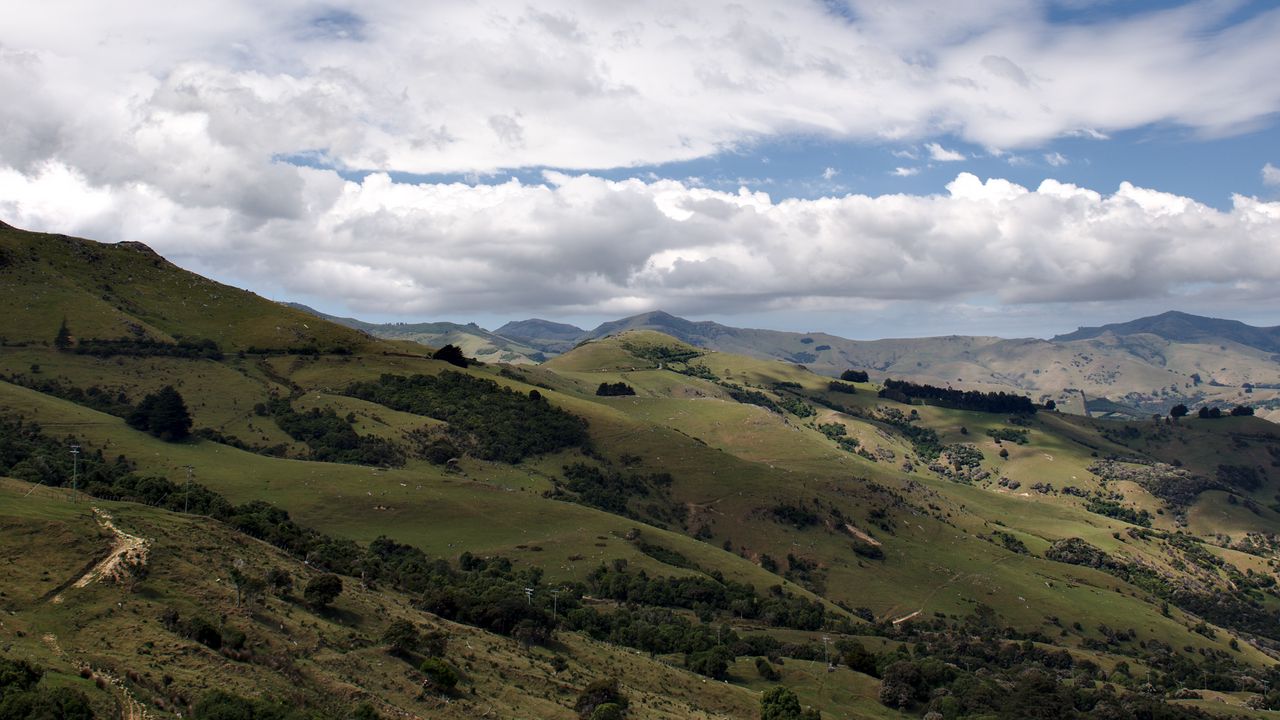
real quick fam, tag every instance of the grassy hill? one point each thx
(1149, 365)
(714, 522)
(127, 291)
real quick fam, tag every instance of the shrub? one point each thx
(401, 637)
(598, 693)
(767, 670)
(322, 590)
(440, 674)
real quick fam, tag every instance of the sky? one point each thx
(869, 168)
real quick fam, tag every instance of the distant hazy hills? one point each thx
(1133, 368)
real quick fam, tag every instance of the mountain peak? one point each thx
(1178, 326)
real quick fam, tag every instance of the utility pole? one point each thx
(528, 595)
(186, 502)
(555, 598)
(75, 470)
(826, 651)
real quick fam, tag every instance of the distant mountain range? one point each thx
(1181, 327)
(1132, 369)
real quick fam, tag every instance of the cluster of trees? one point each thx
(1114, 509)
(24, 697)
(613, 490)
(973, 667)
(1211, 413)
(1013, 435)
(748, 396)
(707, 595)
(855, 376)
(991, 402)
(924, 441)
(614, 389)
(837, 386)
(333, 438)
(222, 705)
(488, 420)
(163, 414)
(145, 347)
(107, 400)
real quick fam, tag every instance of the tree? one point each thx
(614, 389)
(1178, 411)
(599, 693)
(280, 581)
(440, 674)
(1241, 411)
(322, 590)
(401, 638)
(451, 354)
(780, 703)
(62, 340)
(859, 659)
(163, 414)
(713, 663)
(855, 376)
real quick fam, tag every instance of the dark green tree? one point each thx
(859, 659)
(322, 590)
(163, 414)
(439, 674)
(451, 354)
(62, 340)
(402, 638)
(1178, 411)
(780, 703)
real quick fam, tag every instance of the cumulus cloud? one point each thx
(1056, 159)
(226, 134)
(584, 244)
(941, 154)
(1270, 174)
(904, 171)
(830, 173)
(477, 87)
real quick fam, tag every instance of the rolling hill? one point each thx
(707, 528)
(1131, 369)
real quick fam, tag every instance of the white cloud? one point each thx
(582, 244)
(830, 173)
(476, 87)
(1270, 174)
(1056, 159)
(905, 171)
(941, 154)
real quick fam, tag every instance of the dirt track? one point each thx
(125, 549)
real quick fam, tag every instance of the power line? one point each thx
(186, 501)
(75, 470)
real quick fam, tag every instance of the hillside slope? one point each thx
(127, 291)
(674, 511)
